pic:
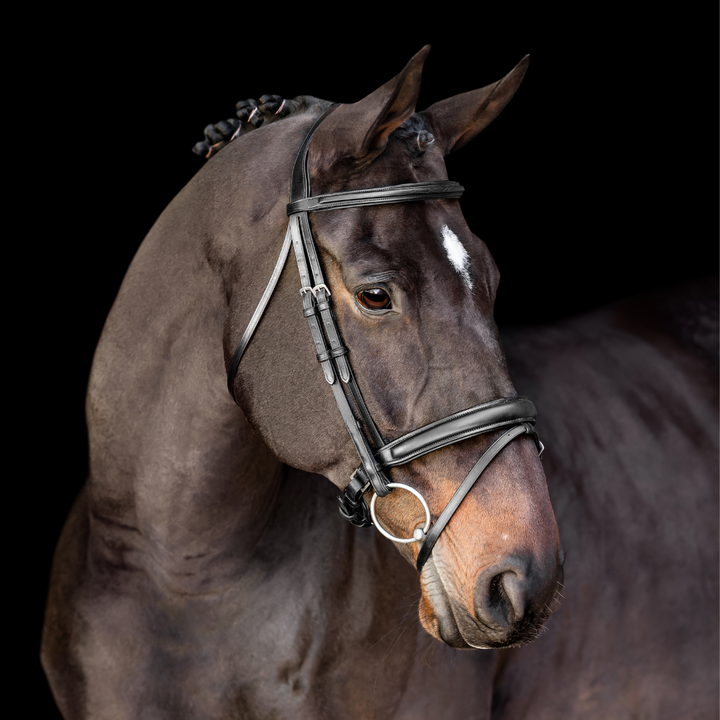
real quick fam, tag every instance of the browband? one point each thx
(408, 192)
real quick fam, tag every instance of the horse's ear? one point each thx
(360, 131)
(459, 119)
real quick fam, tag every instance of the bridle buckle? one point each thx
(317, 288)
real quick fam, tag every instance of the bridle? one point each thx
(515, 415)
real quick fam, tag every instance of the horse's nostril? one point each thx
(503, 593)
(498, 602)
(516, 591)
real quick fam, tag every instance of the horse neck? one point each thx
(170, 454)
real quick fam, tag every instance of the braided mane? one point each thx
(252, 114)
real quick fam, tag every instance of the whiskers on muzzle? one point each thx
(533, 625)
(512, 603)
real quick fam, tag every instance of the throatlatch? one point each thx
(515, 415)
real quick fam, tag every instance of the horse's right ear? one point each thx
(459, 119)
(359, 132)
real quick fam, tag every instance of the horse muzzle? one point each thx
(512, 600)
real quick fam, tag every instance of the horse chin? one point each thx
(450, 622)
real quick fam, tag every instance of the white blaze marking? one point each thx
(457, 254)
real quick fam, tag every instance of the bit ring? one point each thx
(416, 535)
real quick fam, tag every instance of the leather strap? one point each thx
(408, 192)
(460, 426)
(297, 190)
(316, 303)
(300, 177)
(259, 310)
(464, 489)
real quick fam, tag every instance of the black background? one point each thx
(597, 182)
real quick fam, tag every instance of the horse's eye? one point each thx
(374, 299)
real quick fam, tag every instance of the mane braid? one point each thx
(252, 114)
(416, 134)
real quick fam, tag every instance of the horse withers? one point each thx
(204, 571)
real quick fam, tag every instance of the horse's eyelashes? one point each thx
(374, 299)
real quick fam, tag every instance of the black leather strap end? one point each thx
(328, 372)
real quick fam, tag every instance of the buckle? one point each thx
(322, 286)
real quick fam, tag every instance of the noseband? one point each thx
(515, 415)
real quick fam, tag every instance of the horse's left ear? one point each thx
(459, 119)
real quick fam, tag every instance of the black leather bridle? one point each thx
(515, 415)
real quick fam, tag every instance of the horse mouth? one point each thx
(501, 621)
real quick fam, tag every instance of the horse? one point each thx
(205, 572)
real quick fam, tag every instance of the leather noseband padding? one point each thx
(460, 426)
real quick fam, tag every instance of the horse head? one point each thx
(413, 291)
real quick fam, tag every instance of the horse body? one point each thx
(630, 412)
(201, 575)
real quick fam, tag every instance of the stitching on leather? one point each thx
(393, 194)
(444, 421)
(450, 439)
(418, 188)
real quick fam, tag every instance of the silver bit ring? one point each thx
(418, 534)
